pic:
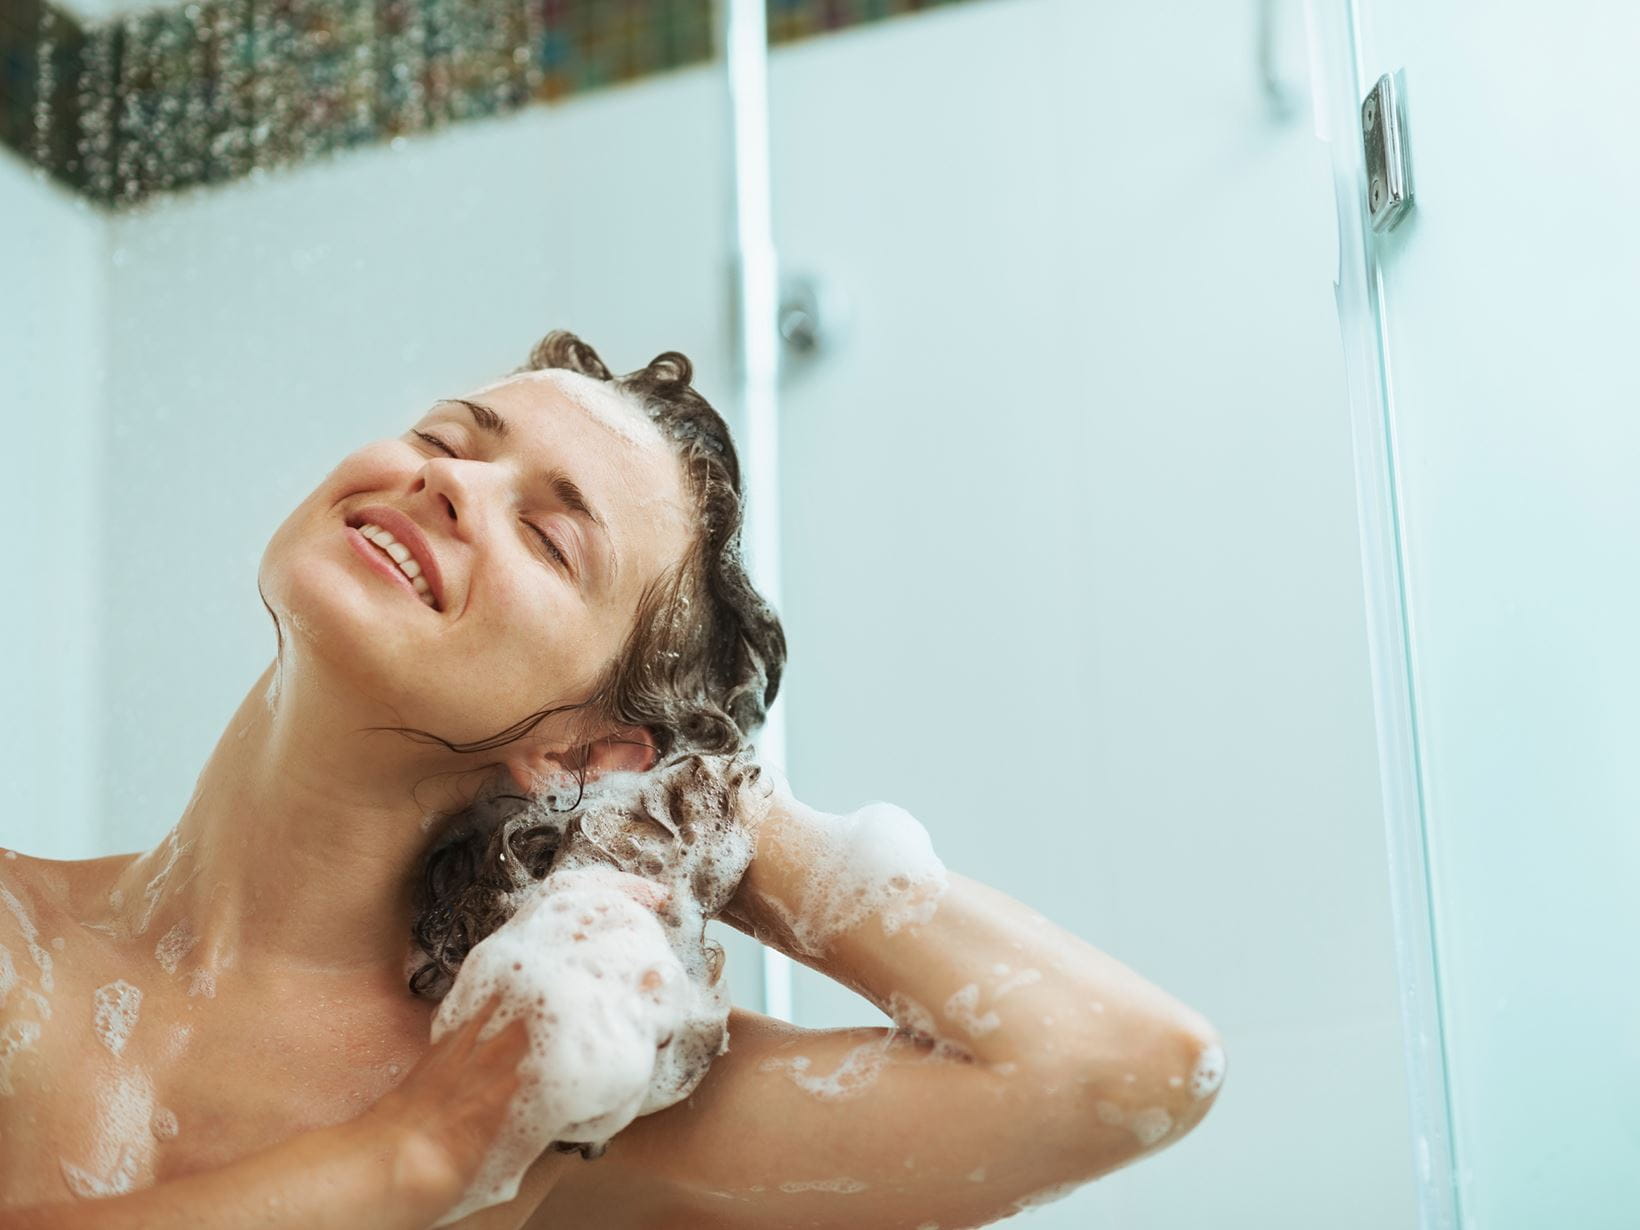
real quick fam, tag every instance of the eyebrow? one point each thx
(563, 486)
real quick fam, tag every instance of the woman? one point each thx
(232, 1029)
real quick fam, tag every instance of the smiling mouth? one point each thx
(384, 551)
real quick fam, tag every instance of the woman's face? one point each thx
(560, 504)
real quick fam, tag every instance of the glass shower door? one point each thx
(1504, 316)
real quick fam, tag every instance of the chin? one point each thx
(330, 607)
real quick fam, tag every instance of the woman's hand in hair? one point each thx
(443, 1117)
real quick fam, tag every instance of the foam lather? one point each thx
(622, 998)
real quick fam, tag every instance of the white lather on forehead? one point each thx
(603, 404)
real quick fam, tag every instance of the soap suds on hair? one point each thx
(590, 972)
(114, 1013)
(606, 958)
(597, 400)
(619, 990)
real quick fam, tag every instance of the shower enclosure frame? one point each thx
(1337, 76)
(741, 28)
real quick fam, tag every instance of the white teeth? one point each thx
(401, 556)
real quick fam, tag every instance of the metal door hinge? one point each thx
(1383, 136)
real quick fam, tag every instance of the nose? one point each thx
(453, 488)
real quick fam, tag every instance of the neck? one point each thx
(299, 849)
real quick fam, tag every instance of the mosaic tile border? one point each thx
(208, 91)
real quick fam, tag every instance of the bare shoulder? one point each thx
(59, 888)
(42, 901)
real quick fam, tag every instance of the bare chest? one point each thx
(119, 1080)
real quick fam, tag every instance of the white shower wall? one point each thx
(52, 274)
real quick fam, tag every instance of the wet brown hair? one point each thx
(699, 667)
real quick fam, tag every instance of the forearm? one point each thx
(1014, 989)
(339, 1178)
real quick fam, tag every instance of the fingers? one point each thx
(507, 1043)
(512, 1037)
(466, 1036)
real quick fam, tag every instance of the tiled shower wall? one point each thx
(210, 90)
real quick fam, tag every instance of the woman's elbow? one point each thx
(1161, 1093)
(1203, 1048)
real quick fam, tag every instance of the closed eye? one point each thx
(550, 545)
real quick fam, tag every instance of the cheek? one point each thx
(372, 468)
(375, 467)
(542, 632)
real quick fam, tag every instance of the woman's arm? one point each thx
(1050, 1064)
(1018, 992)
(396, 1167)
(336, 1178)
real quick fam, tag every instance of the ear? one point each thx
(631, 749)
